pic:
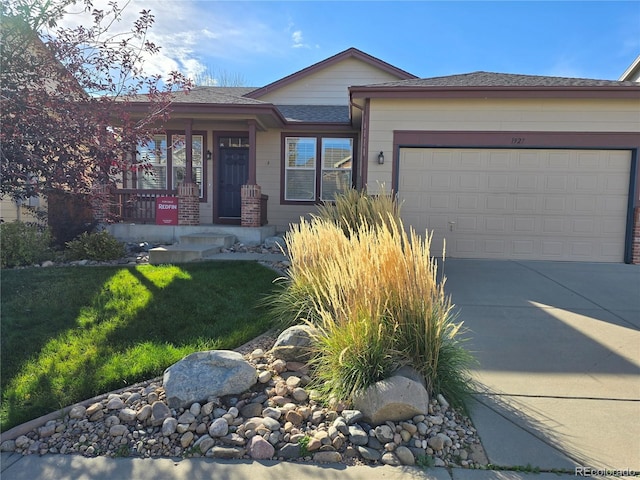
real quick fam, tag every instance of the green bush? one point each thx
(100, 246)
(24, 244)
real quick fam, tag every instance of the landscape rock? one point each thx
(294, 344)
(260, 449)
(201, 375)
(395, 398)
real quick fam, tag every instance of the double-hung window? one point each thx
(317, 167)
(165, 164)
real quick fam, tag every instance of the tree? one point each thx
(219, 78)
(66, 94)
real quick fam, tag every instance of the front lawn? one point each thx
(69, 334)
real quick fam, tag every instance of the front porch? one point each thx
(170, 234)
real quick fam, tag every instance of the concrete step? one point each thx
(181, 253)
(217, 239)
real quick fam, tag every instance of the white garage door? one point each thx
(518, 204)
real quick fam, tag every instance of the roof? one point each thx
(315, 113)
(217, 95)
(633, 72)
(348, 53)
(490, 79)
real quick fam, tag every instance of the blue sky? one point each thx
(264, 41)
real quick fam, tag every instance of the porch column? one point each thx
(251, 180)
(188, 140)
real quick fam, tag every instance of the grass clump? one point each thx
(372, 292)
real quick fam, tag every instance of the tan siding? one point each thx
(330, 86)
(268, 177)
(548, 115)
(9, 210)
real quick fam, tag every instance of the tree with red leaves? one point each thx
(65, 97)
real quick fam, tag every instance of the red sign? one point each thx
(166, 211)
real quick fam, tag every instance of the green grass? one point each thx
(68, 334)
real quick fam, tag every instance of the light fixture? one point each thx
(209, 155)
(381, 158)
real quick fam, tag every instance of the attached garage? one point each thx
(535, 204)
(509, 166)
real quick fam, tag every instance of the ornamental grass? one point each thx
(372, 291)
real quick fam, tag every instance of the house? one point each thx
(499, 165)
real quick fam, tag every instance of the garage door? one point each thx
(518, 204)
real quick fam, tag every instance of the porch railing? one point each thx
(137, 206)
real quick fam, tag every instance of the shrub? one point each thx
(24, 244)
(99, 246)
(374, 295)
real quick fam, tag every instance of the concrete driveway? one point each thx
(559, 351)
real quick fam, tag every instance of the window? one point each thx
(317, 168)
(166, 163)
(154, 156)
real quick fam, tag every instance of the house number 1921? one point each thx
(515, 140)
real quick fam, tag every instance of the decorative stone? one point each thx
(369, 453)
(227, 452)
(115, 403)
(294, 344)
(93, 409)
(289, 451)
(251, 410)
(127, 415)
(159, 412)
(204, 443)
(389, 458)
(186, 439)
(219, 428)
(384, 433)
(357, 435)
(205, 374)
(395, 398)
(405, 456)
(144, 413)
(187, 417)
(260, 449)
(169, 426)
(78, 412)
(327, 457)
(118, 430)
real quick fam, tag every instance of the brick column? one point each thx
(635, 240)
(188, 204)
(100, 203)
(250, 212)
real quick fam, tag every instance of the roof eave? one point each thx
(629, 92)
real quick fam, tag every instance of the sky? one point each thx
(263, 41)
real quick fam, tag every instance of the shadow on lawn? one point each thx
(127, 325)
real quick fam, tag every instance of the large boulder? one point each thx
(395, 398)
(294, 344)
(201, 375)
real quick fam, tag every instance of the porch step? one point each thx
(217, 239)
(181, 253)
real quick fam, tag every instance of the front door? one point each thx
(233, 173)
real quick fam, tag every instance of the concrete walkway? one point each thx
(558, 346)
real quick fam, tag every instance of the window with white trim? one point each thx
(165, 163)
(317, 167)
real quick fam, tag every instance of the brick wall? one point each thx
(188, 204)
(250, 215)
(100, 203)
(635, 241)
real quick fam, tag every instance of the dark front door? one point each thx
(234, 172)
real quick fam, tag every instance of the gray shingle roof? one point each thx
(315, 113)
(490, 79)
(217, 95)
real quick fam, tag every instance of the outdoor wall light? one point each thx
(209, 155)
(381, 158)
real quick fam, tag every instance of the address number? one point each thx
(515, 140)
